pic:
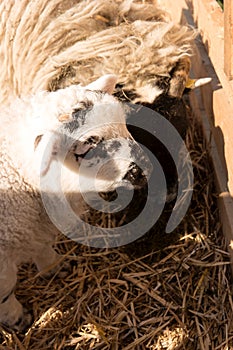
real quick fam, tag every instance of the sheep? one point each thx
(37, 132)
(53, 54)
(50, 45)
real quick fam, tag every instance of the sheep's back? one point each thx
(53, 44)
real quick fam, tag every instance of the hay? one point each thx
(177, 298)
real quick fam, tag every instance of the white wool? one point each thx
(49, 44)
(34, 116)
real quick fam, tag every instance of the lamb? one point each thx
(38, 132)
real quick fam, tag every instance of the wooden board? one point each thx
(228, 38)
(213, 103)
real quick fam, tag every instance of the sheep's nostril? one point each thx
(135, 175)
(19, 321)
(23, 322)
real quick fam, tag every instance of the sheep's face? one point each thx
(92, 140)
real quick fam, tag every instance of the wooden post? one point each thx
(228, 38)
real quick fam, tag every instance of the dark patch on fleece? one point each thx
(79, 116)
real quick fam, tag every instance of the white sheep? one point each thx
(38, 132)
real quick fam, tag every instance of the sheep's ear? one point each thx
(46, 147)
(37, 141)
(106, 83)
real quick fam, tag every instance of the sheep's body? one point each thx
(47, 130)
(24, 222)
(26, 233)
(47, 45)
(19, 203)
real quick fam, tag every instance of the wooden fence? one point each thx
(213, 103)
(228, 38)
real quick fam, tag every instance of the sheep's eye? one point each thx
(90, 145)
(93, 140)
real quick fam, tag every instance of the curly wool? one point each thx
(47, 45)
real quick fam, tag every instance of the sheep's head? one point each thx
(92, 140)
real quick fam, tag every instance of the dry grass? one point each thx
(177, 298)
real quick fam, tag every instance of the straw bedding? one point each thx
(178, 297)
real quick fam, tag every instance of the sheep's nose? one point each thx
(135, 176)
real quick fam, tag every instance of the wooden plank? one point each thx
(223, 114)
(218, 103)
(217, 97)
(172, 7)
(225, 200)
(213, 103)
(209, 18)
(228, 38)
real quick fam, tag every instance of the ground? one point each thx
(178, 296)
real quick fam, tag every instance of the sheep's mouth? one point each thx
(130, 185)
(80, 157)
